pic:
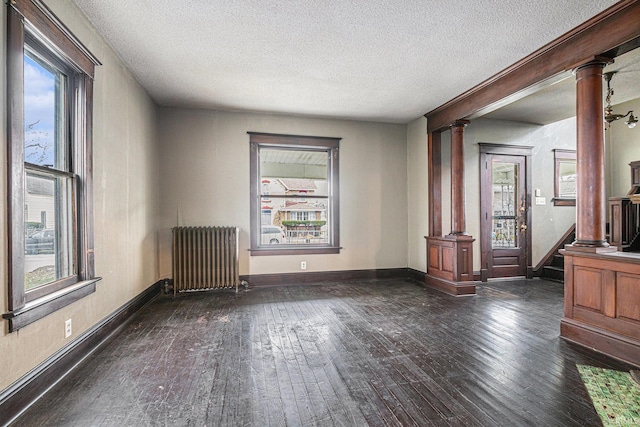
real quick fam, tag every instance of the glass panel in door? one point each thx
(505, 197)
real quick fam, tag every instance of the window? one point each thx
(565, 178)
(49, 110)
(294, 188)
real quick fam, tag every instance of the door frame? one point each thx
(485, 232)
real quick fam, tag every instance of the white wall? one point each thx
(418, 194)
(204, 163)
(125, 209)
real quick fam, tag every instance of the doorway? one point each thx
(505, 223)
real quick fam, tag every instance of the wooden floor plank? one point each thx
(368, 352)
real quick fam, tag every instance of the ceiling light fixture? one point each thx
(609, 115)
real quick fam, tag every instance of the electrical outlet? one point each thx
(67, 328)
(303, 265)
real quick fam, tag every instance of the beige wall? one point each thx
(126, 204)
(418, 194)
(549, 222)
(204, 163)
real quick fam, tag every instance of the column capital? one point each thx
(460, 123)
(594, 62)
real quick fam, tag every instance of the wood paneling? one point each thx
(628, 296)
(448, 257)
(450, 264)
(434, 258)
(589, 292)
(602, 302)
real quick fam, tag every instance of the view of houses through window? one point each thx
(48, 199)
(294, 196)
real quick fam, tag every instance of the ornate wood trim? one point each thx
(45, 21)
(606, 32)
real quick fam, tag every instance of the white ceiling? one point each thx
(376, 60)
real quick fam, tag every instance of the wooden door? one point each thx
(504, 215)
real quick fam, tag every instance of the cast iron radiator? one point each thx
(205, 258)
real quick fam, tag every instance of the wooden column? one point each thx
(591, 203)
(449, 258)
(435, 184)
(601, 286)
(458, 217)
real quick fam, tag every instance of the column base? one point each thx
(463, 235)
(450, 258)
(576, 247)
(456, 289)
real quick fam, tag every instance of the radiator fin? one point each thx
(205, 258)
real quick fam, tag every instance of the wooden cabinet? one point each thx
(624, 214)
(623, 225)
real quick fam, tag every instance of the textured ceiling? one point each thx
(376, 60)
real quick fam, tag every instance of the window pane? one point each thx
(505, 195)
(49, 239)
(287, 215)
(298, 221)
(567, 179)
(504, 233)
(293, 172)
(44, 116)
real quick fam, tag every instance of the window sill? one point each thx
(295, 251)
(559, 201)
(41, 307)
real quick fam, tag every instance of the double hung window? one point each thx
(49, 149)
(294, 194)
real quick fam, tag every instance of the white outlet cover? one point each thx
(67, 328)
(541, 201)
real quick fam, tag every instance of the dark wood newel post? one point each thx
(458, 217)
(591, 203)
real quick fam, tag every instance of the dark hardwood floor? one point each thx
(374, 352)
